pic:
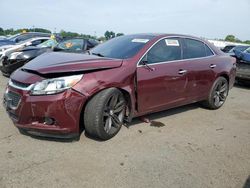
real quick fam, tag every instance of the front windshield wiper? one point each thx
(98, 54)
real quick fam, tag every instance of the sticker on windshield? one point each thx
(172, 42)
(140, 40)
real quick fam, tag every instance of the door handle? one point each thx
(181, 71)
(212, 66)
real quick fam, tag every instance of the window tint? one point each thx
(208, 51)
(165, 50)
(35, 42)
(193, 49)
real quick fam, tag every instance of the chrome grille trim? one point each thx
(21, 86)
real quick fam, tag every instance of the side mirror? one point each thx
(144, 62)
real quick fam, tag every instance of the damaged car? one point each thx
(57, 94)
(243, 66)
(18, 58)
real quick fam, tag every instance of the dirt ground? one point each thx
(196, 148)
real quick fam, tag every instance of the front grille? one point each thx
(14, 98)
(19, 84)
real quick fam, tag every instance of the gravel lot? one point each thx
(195, 148)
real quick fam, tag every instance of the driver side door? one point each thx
(161, 77)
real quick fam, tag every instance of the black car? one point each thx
(22, 37)
(76, 45)
(227, 48)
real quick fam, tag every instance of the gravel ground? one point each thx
(195, 148)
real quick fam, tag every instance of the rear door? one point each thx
(202, 65)
(162, 77)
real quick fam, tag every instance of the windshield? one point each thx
(123, 47)
(48, 44)
(71, 45)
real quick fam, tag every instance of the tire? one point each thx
(217, 95)
(104, 114)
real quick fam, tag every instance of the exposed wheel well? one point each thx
(225, 76)
(128, 111)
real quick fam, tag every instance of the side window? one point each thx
(208, 51)
(193, 49)
(36, 42)
(165, 50)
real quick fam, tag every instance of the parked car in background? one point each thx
(22, 37)
(30, 42)
(2, 37)
(227, 48)
(76, 45)
(237, 48)
(243, 66)
(18, 58)
(56, 94)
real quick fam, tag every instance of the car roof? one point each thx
(160, 35)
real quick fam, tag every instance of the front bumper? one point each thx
(28, 113)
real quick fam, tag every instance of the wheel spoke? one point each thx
(116, 121)
(222, 97)
(218, 86)
(217, 100)
(105, 113)
(108, 124)
(113, 101)
(119, 107)
(223, 88)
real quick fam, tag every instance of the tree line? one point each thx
(107, 35)
(232, 38)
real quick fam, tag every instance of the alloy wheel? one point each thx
(113, 113)
(220, 93)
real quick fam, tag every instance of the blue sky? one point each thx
(202, 18)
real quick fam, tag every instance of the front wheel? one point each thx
(218, 94)
(104, 114)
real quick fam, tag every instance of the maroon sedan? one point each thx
(58, 93)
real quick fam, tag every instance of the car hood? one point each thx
(61, 62)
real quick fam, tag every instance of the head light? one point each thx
(55, 85)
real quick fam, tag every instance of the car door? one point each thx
(199, 59)
(162, 78)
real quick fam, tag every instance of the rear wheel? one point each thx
(104, 114)
(218, 94)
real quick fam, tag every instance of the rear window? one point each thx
(208, 51)
(194, 49)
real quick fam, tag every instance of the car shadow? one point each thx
(49, 138)
(247, 183)
(153, 117)
(246, 85)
